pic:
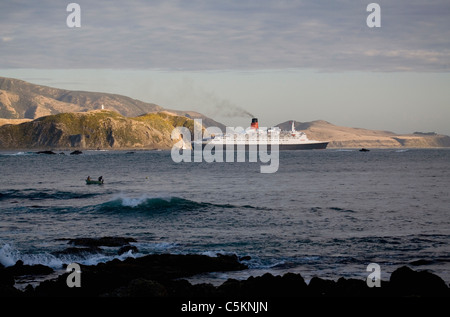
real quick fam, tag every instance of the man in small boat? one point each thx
(88, 178)
(100, 179)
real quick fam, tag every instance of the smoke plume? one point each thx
(225, 108)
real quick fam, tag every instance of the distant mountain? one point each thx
(22, 100)
(97, 129)
(344, 137)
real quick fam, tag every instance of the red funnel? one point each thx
(254, 123)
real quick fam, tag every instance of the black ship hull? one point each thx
(281, 147)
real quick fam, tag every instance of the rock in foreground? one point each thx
(147, 272)
(161, 276)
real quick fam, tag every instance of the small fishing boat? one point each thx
(90, 181)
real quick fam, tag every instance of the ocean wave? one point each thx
(18, 154)
(341, 209)
(32, 194)
(9, 255)
(61, 255)
(168, 204)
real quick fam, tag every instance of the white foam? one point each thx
(133, 202)
(19, 153)
(128, 201)
(8, 255)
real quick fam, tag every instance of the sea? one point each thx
(327, 213)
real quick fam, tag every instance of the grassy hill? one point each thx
(96, 129)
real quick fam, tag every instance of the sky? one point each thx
(229, 59)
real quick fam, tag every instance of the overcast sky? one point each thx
(278, 60)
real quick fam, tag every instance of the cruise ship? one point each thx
(254, 137)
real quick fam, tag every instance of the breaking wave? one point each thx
(169, 204)
(9, 255)
(159, 205)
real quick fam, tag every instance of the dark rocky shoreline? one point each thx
(161, 275)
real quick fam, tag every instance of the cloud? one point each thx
(228, 34)
(419, 56)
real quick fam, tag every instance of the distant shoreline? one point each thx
(57, 119)
(57, 151)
